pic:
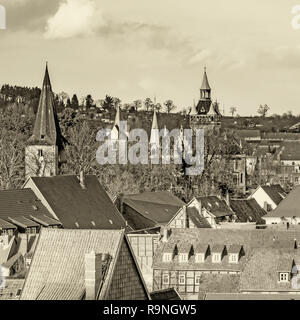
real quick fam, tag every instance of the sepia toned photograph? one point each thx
(149, 151)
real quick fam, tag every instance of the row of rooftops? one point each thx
(22, 209)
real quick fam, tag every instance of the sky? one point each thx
(134, 49)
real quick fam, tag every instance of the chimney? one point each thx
(199, 207)
(184, 217)
(93, 274)
(82, 180)
(266, 206)
(165, 234)
(227, 198)
(23, 248)
(121, 204)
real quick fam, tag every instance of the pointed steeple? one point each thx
(205, 93)
(46, 128)
(154, 137)
(154, 121)
(205, 85)
(116, 128)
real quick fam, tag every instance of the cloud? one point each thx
(74, 18)
(29, 15)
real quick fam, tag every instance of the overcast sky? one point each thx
(141, 48)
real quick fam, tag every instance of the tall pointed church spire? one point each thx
(46, 128)
(116, 128)
(43, 152)
(154, 136)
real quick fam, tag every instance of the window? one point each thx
(183, 257)
(166, 279)
(283, 277)
(199, 257)
(197, 279)
(167, 257)
(181, 279)
(233, 258)
(216, 258)
(40, 152)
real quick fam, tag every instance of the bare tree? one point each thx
(232, 111)
(263, 109)
(137, 104)
(169, 105)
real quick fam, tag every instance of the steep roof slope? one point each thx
(288, 207)
(159, 207)
(77, 207)
(57, 269)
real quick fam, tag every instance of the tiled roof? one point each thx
(234, 248)
(23, 222)
(249, 239)
(247, 134)
(76, 207)
(251, 296)
(6, 225)
(57, 267)
(247, 210)
(12, 289)
(275, 192)
(215, 206)
(218, 283)
(158, 207)
(290, 150)
(288, 207)
(199, 222)
(217, 248)
(280, 136)
(261, 271)
(165, 294)
(21, 204)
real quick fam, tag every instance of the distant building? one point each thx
(44, 148)
(268, 197)
(149, 209)
(247, 210)
(198, 262)
(21, 211)
(287, 212)
(211, 211)
(289, 158)
(206, 114)
(85, 265)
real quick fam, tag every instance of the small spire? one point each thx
(205, 83)
(154, 121)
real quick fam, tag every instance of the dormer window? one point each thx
(283, 277)
(199, 257)
(216, 257)
(183, 257)
(167, 257)
(233, 258)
